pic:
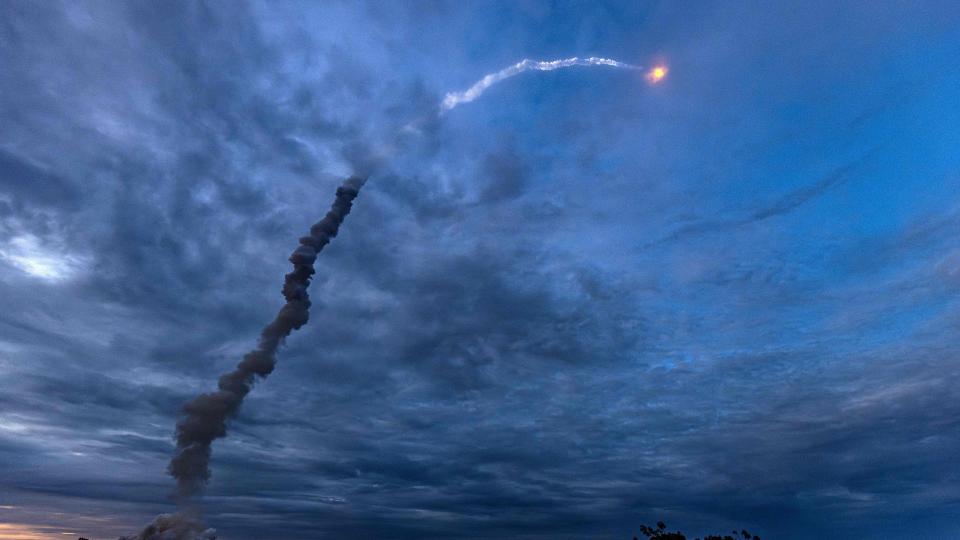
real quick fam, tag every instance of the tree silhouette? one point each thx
(661, 533)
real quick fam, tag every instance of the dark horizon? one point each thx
(584, 302)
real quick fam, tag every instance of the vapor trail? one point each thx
(205, 417)
(452, 99)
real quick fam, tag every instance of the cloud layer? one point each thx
(573, 306)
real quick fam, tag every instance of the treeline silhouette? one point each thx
(661, 533)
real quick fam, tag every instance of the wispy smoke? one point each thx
(452, 99)
(205, 417)
(784, 205)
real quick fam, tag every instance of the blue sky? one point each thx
(575, 305)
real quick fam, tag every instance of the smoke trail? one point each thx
(205, 417)
(452, 99)
(368, 159)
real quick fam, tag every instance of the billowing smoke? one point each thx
(452, 99)
(205, 417)
(185, 525)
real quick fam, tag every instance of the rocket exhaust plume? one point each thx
(205, 417)
(453, 99)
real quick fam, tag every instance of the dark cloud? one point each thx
(507, 175)
(28, 184)
(500, 346)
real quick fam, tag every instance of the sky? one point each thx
(576, 305)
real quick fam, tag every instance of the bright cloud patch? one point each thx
(27, 253)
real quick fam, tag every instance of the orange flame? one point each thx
(656, 74)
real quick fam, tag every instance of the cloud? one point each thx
(785, 204)
(25, 182)
(508, 361)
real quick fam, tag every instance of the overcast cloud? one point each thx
(575, 305)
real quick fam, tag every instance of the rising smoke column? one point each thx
(205, 417)
(452, 99)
